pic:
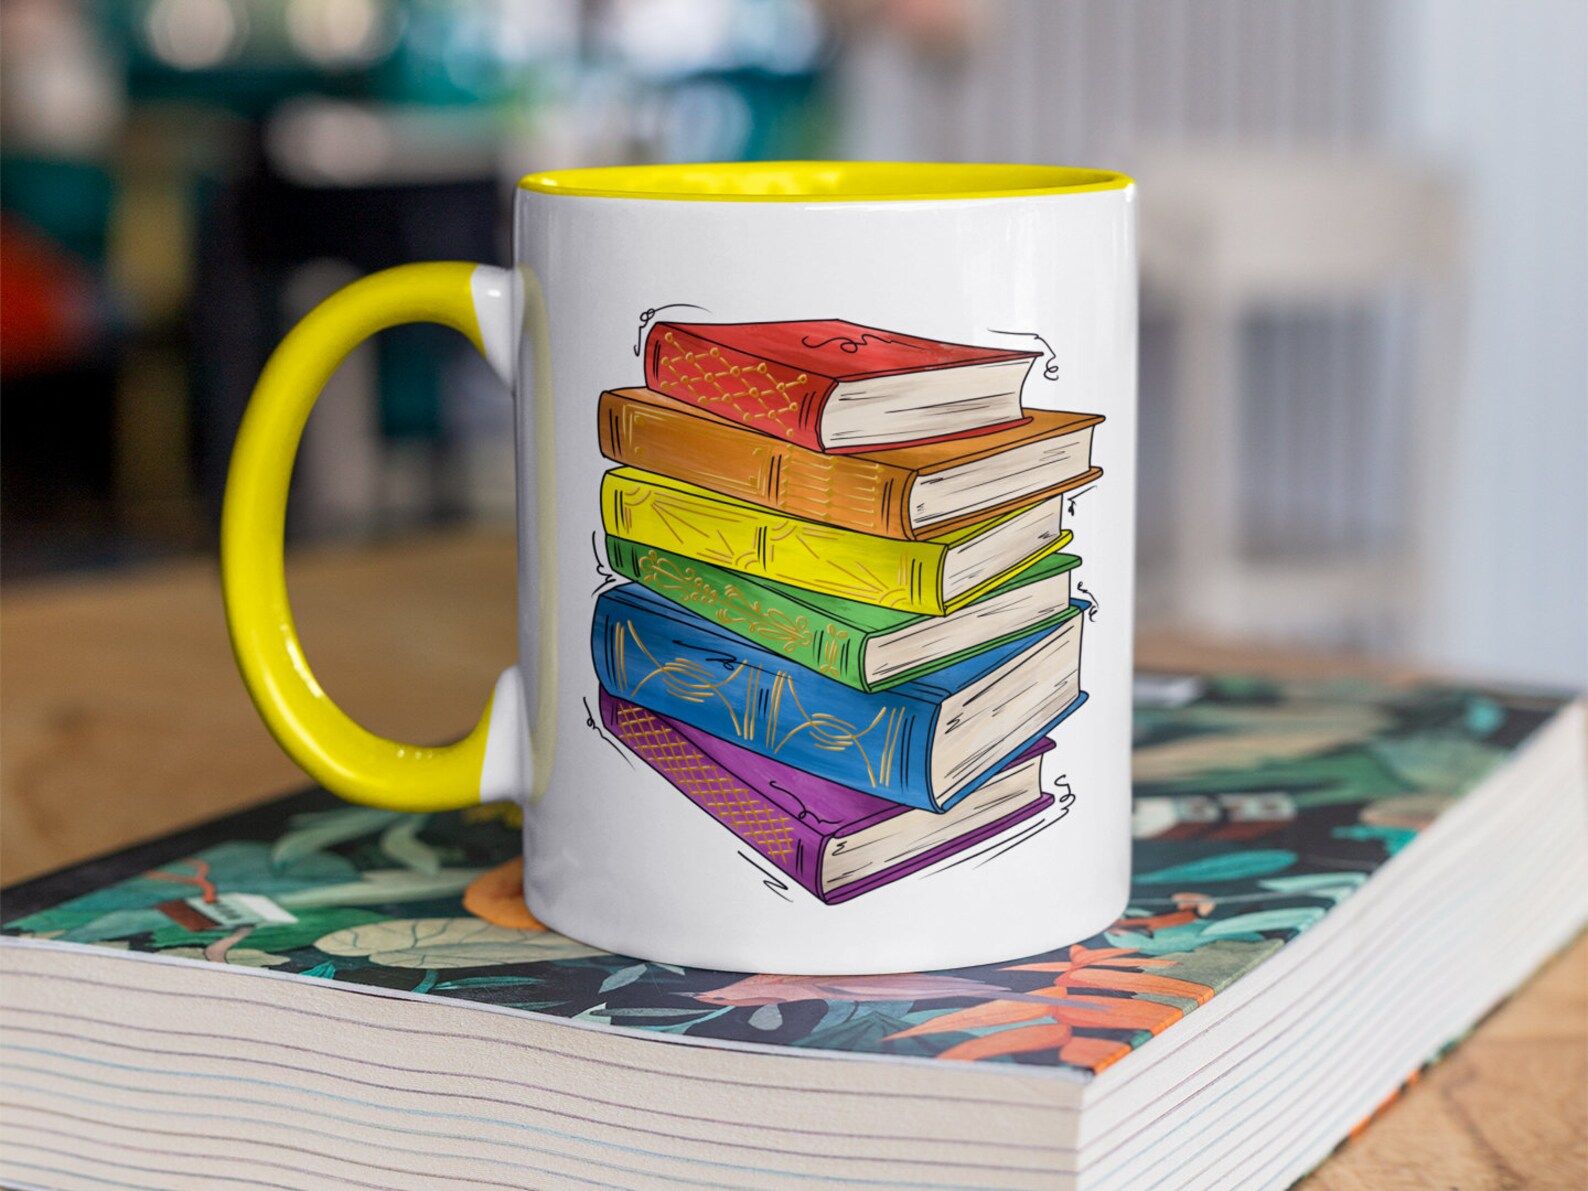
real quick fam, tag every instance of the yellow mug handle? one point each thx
(332, 748)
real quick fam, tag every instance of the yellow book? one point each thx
(934, 576)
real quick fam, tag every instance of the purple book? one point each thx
(836, 842)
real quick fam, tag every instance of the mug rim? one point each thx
(822, 181)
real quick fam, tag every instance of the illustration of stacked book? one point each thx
(849, 628)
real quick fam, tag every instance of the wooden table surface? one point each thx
(121, 717)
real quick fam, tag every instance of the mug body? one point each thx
(687, 799)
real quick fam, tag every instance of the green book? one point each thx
(861, 645)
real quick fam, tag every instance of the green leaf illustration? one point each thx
(1335, 887)
(320, 830)
(1167, 941)
(450, 943)
(1393, 838)
(1228, 866)
(865, 1026)
(238, 866)
(384, 885)
(1215, 964)
(622, 977)
(486, 982)
(118, 924)
(1296, 918)
(270, 936)
(1430, 761)
(401, 842)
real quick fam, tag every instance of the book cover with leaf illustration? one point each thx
(1262, 810)
(1331, 883)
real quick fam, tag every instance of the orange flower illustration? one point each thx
(1050, 1018)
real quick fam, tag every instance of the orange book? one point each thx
(912, 492)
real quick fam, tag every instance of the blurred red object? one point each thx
(49, 314)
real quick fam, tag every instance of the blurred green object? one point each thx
(246, 57)
(447, 53)
(411, 360)
(69, 201)
(787, 115)
(245, 68)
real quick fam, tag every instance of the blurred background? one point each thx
(1364, 378)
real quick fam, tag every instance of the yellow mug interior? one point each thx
(822, 181)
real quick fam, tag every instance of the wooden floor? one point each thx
(121, 717)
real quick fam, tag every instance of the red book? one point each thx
(837, 386)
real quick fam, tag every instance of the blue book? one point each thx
(925, 743)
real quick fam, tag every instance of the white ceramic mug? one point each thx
(704, 809)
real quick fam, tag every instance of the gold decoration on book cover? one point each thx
(732, 386)
(740, 692)
(710, 787)
(732, 607)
